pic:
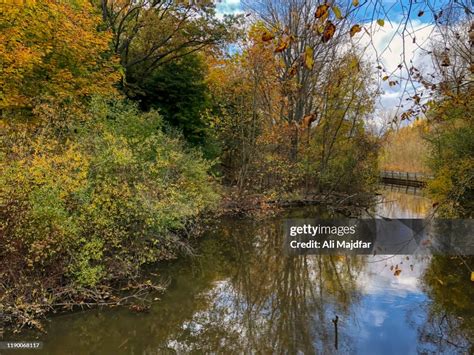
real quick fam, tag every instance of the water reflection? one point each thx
(243, 294)
(450, 314)
(402, 202)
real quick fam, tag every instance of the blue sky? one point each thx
(387, 40)
(394, 8)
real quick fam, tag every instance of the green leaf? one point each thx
(337, 12)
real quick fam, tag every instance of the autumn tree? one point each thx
(150, 33)
(52, 52)
(91, 188)
(405, 149)
(262, 129)
(307, 37)
(450, 115)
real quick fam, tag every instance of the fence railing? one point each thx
(405, 178)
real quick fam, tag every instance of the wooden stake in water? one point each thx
(335, 320)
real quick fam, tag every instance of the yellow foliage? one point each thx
(406, 150)
(52, 52)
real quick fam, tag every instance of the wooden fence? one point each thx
(405, 178)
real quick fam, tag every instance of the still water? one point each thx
(242, 294)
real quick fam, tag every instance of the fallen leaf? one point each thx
(381, 22)
(397, 272)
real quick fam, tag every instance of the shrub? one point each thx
(97, 205)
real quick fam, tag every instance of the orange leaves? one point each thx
(308, 120)
(328, 32)
(52, 51)
(396, 270)
(283, 43)
(267, 36)
(355, 29)
(322, 12)
(293, 70)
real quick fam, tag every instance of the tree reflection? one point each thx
(243, 294)
(450, 315)
(270, 301)
(399, 202)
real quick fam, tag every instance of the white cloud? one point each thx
(228, 7)
(388, 47)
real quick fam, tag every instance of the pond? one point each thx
(241, 293)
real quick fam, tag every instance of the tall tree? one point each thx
(308, 37)
(178, 89)
(151, 33)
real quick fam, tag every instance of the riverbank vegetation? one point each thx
(441, 144)
(125, 121)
